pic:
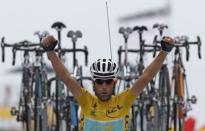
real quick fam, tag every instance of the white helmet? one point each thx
(104, 69)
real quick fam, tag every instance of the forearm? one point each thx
(58, 66)
(64, 74)
(149, 73)
(154, 67)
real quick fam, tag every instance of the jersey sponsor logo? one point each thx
(94, 125)
(111, 112)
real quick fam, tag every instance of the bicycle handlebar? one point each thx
(19, 48)
(183, 42)
(120, 51)
(24, 43)
(41, 50)
(199, 47)
(14, 56)
(23, 46)
(3, 49)
(3, 45)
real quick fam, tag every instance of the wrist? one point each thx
(50, 54)
(164, 52)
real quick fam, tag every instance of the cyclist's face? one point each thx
(103, 89)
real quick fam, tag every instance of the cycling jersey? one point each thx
(112, 115)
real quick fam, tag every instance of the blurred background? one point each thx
(20, 19)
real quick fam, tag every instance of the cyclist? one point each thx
(103, 111)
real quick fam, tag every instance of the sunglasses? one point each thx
(107, 82)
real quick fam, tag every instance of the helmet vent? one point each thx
(94, 67)
(109, 65)
(114, 66)
(103, 67)
(98, 66)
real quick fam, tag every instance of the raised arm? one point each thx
(60, 69)
(153, 68)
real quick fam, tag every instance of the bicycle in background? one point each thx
(180, 95)
(33, 97)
